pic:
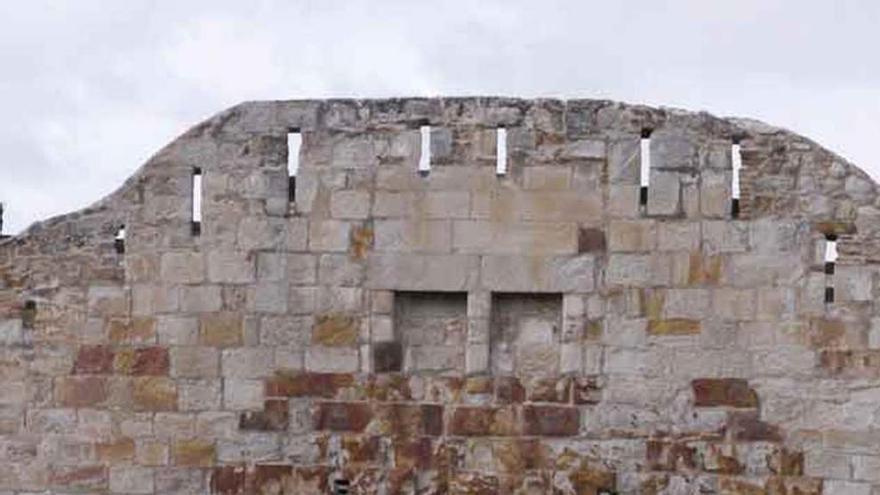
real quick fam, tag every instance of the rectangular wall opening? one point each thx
(501, 151)
(425, 157)
(736, 161)
(830, 261)
(525, 331)
(294, 143)
(645, 166)
(196, 197)
(432, 329)
(119, 240)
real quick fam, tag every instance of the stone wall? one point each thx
(455, 332)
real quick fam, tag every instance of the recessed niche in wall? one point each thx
(524, 334)
(432, 327)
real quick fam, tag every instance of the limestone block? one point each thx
(242, 394)
(340, 300)
(150, 299)
(107, 301)
(340, 270)
(547, 177)
(230, 267)
(297, 234)
(623, 201)
(200, 298)
(199, 395)
(423, 204)
(268, 297)
(477, 358)
(673, 151)
(570, 357)
(686, 303)
(725, 236)
(285, 330)
(248, 362)
(558, 206)
(194, 362)
(421, 272)
(750, 270)
(678, 235)
(775, 236)
(350, 204)
(477, 236)
(664, 193)
(131, 479)
(591, 149)
(716, 193)
(734, 304)
(332, 359)
(329, 235)
(629, 269)
(853, 283)
(624, 161)
(261, 233)
(539, 273)
(426, 236)
(302, 269)
(632, 236)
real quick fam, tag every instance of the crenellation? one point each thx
(542, 330)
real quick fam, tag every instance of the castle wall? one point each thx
(549, 330)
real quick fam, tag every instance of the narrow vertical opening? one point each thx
(501, 151)
(830, 253)
(29, 314)
(736, 161)
(645, 169)
(119, 240)
(830, 261)
(294, 143)
(197, 201)
(425, 158)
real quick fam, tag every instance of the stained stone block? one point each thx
(664, 193)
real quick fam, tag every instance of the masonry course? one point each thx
(458, 331)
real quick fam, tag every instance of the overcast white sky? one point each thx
(90, 89)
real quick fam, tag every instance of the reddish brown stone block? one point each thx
(93, 359)
(228, 480)
(132, 331)
(413, 453)
(76, 391)
(730, 392)
(827, 333)
(273, 417)
(154, 394)
(342, 416)
(193, 453)
(361, 449)
(483, 421)
(509, 390)
(551, 421)
(479, 385)
(474, 484)
(590, 479)
(550, 390)
(747, 427)
(145, 361)
(786, 462)
(704, 269)
(360, 243)
(336, 330)
(389, 387)
(267, 478)
(121, 449)
(408, 420)
(302, 384)
(225, 329)
(586, 390)
(85, 478)
(670, 455)
(516, 455)
(674, 326)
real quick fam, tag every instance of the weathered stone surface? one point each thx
(541, 331)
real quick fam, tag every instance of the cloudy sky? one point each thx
(90, 89)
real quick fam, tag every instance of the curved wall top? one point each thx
(558, 328)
